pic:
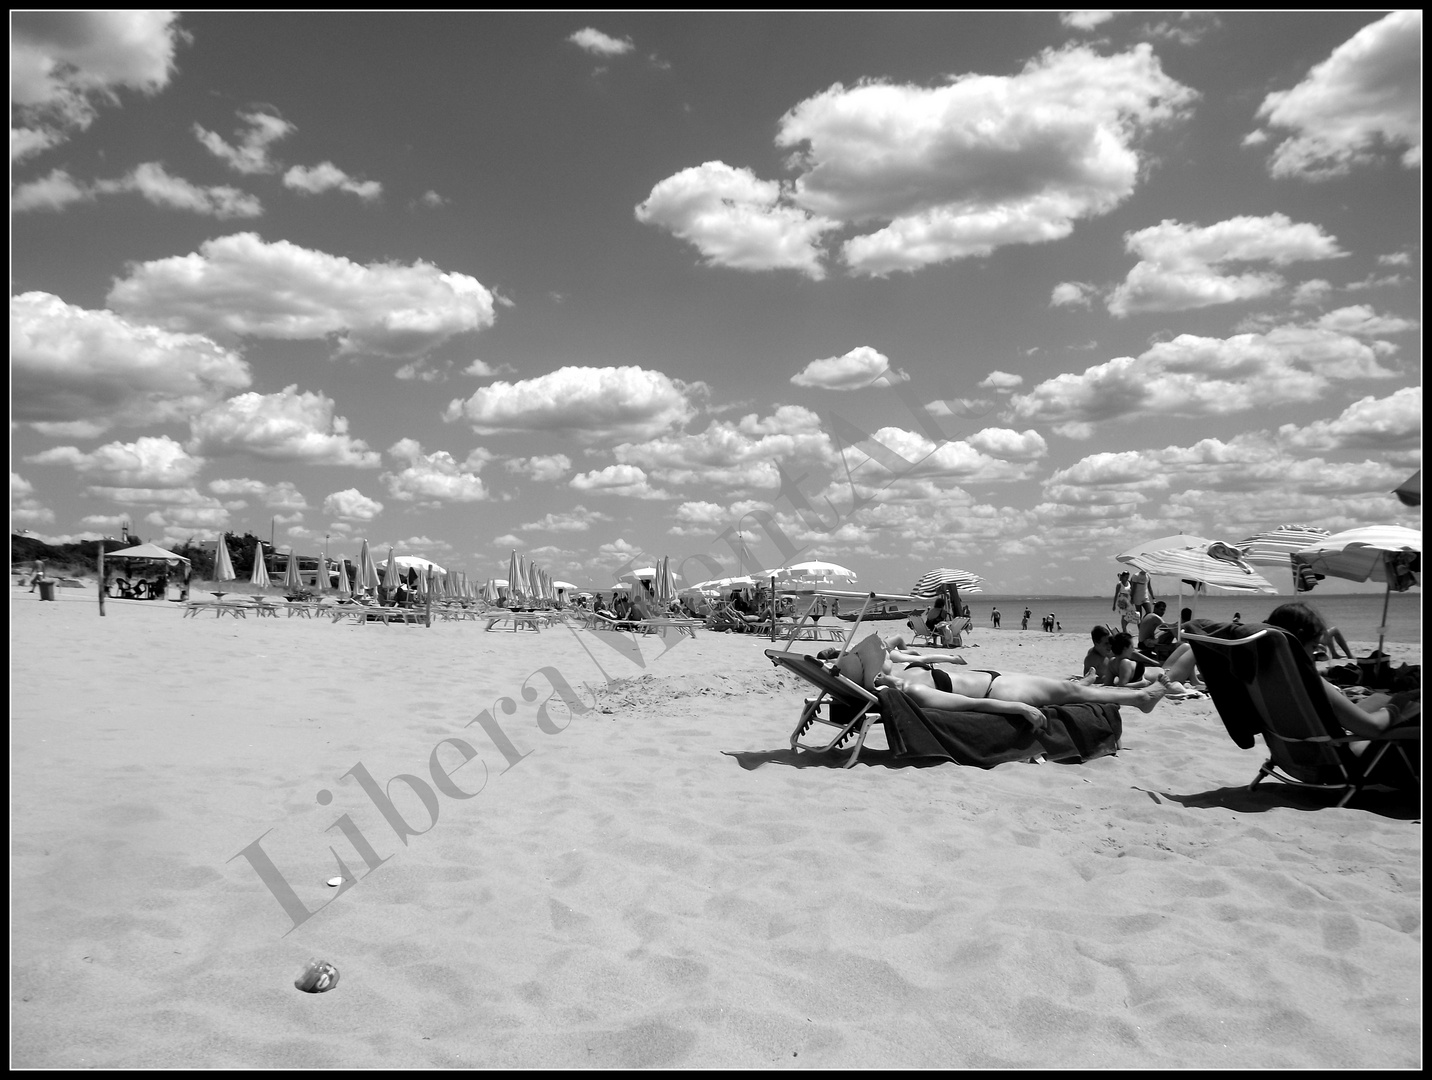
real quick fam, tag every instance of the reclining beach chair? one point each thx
(841, 704)
(1263, 683)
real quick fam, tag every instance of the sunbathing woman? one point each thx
(871, 664)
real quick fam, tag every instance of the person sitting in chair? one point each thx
(942, 623)
(1155, 638)
(871, 664)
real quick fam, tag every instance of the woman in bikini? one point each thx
(871, 663)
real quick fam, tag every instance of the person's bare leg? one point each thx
(1039, 690)
(930, 698)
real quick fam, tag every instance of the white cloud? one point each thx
(736, 220)
(25, 143)
(1362, 321)
(1312, 292)
(63, 62)
(287, 426)
(1203, 376)
(147, 462)
(985, 161)
(735, 455)
(1009, 445)
(59, 189)
(434, 478)
(1364, 98)
(600, 44)
(280, 496)
(251, 155)
(578, 519)
(24, 507)
(95, 368)
(241, 286)
(1183, 267)
(1000, 381)
(351, 504)
(624, 480)
(856, 370)
(327, 176)
(590, 404)
(1071, 294)
(1390, 423)
(1084, 20)
(1396, 258)
(544, 468)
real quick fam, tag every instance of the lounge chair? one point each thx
(841, 704)
(1263, 683)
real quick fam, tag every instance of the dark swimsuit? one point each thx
(942, 680)
(993, 675)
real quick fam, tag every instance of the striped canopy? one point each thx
(1273, 548)
(1360, 554)
(1193, 563)
(930, 583)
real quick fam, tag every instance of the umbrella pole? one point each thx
(1382, 629)
(101, 580)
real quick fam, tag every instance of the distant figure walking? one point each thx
(1141, 592)
(1024, 622)
(1123, 601)
(994, 618)
(39, 574)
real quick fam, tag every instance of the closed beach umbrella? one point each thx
(1409, 492)
(260, 575)
(391, 574)
(343, 589)
(366, 578)
(931, 583)
(291, 581)
(223, 565)
(320, 579)
(1387, 553)
(514, 581)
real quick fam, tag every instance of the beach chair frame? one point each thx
(836, 692)
(1266, 682)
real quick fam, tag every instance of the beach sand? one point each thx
(620, 891)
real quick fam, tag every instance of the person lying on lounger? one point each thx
(1006, 693)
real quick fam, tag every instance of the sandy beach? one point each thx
(610, 886)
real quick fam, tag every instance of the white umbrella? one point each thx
(260, 575)
(390, 574)
(514, 581)
(814, 571)
(1275, 547)
(291, 581)
(1186, 557)
(320, 579)
(343, 589)
(366, 578)
(1409, 492)
(1387, 553)
(223, 565)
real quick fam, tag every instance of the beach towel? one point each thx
(1074, 733)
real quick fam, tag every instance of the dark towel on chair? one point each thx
(1075, 733)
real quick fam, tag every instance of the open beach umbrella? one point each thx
(1387, 553)
(291, 581)
(260, 575)
(814, 572)
(1409, 492)
(1187, 558)
(931, 583)
(1276, 546)
(223, 565)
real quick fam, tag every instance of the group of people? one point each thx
(1133, 597)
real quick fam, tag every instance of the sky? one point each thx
(1006, 292)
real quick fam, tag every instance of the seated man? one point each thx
(1156, 639)
(1096, 660)
(871, 664)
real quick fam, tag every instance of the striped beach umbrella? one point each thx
(1387, 553)
(1187, 558)
(930, 583)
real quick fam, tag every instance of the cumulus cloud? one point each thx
(64, 63)
(240, 286)
(96, 369)
(736, 220)
(1071, 294)
(1364, 99)
(434, 478)
(280, 496)
(1183, 267)
(351, 504)
(24, 507)
(589, 404)
(1203, 376)
(1390, 423)
(856, 370)
(1084, 20)
(249, 153)
(1361, 320)
(624, 480)
(314, 180)
(1312, 292)
(600, 44)
(544, 468)
(1000, 381)
(577, 519)
(147, 462)
(985, 161)
(150, 180)
(287, 426)
(735, 455)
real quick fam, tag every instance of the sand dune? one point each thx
(606, 886)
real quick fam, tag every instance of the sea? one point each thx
(1356, 615)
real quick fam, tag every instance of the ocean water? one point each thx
(1357, 615)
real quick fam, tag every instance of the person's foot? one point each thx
(1151, 696)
